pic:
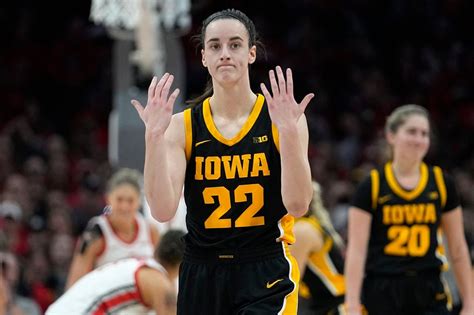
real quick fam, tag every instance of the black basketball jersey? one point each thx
(323, 279)
(233, 186)
(405, 231)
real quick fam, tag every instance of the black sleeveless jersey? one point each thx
(405, 232)
(232, 187)
(323, 279)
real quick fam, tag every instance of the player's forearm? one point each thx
(462, 266)
(159, 189)
(354, 272)
(354, 269)
(296, 189)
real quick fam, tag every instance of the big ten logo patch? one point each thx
(260, 139)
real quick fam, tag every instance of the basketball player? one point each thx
(128, 286)
(122, 231)
(318, 251)
(395, 226)
(242, 157)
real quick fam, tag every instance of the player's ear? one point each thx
(390, 137)
(252, 54)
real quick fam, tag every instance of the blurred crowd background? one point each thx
(361, 58)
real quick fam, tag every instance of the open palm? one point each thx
(282, 106)
(156, 115)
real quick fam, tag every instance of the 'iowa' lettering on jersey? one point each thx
(230, 167)
(409, 213)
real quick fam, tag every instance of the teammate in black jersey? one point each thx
(318, 250)
(243, 160)
(396, 222)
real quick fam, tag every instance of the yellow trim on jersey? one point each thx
(276, 137)
(290, 303)
(188, 131)
(320, 263)
(285, 224)
(375, 182)
(304, 290)
(440, 252)
(438, 174)
(447, 291)
(245, 128)
(396, 188)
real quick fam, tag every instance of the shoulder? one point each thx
(443, 179)
(92, 238)
(367, 191)
(93, 230)
(152, 284)
(367, 180)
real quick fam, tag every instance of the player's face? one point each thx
(412, 139)
(124, 200)
(226, 52)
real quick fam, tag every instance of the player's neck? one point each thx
(404, 169)
(123, 225)
(232, 102)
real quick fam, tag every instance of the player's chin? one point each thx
(126, 213)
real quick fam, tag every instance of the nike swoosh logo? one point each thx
(440, 296)
(201, 142)
(384, 199)
(269, 285)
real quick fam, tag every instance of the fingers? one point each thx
(151, 88)
(172, 99)
(267, 95)
(306, 101)
(273, 83)
(156, 87)
(138, 107)
(281, 80)
(166, 89)
(289, 82)
(159, 87)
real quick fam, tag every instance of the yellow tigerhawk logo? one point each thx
(433, 195)
(269, 285)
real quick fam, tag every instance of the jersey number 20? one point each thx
(246, 219)
(408, 240)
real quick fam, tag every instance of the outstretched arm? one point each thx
(165, 160)
(287, 115)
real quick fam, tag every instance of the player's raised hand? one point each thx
(156, 115)
(282, 106)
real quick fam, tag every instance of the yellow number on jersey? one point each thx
(246, 219)
(408, 241)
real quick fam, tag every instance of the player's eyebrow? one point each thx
(230, 39)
